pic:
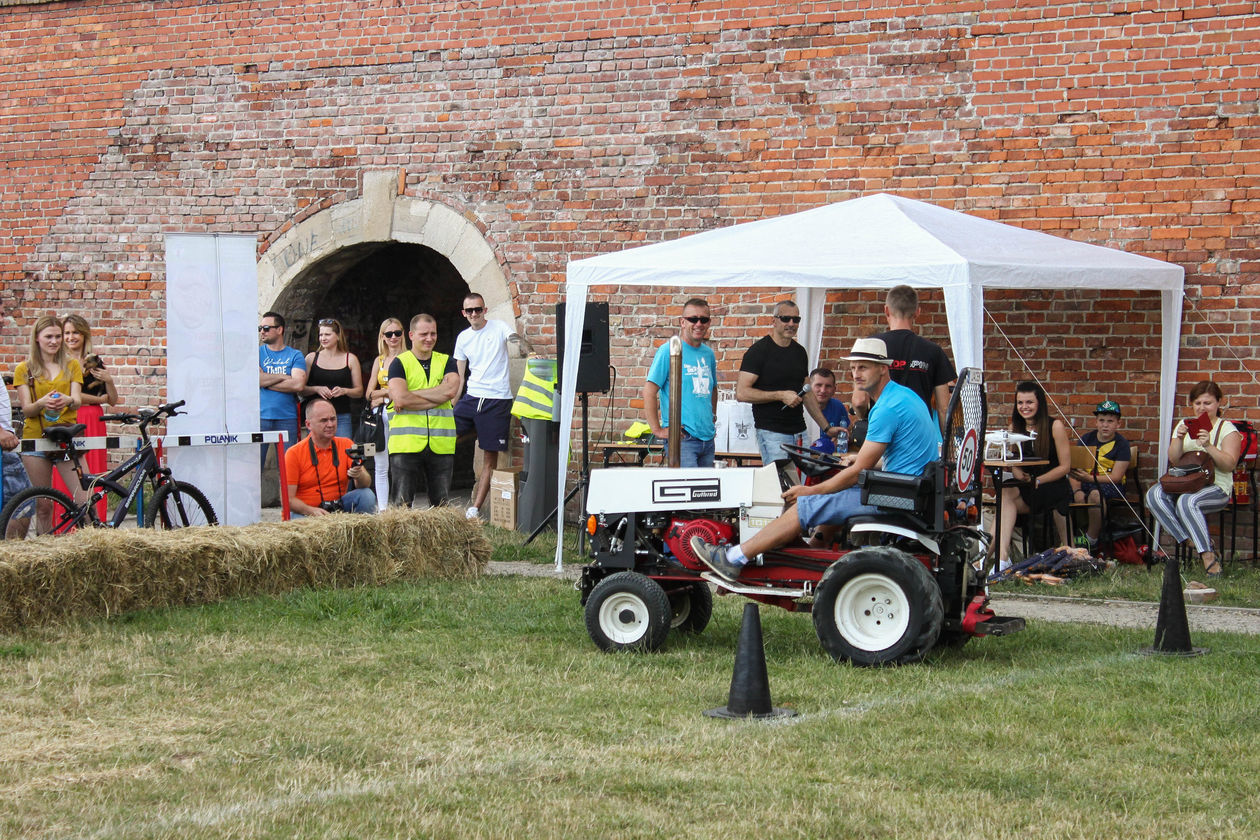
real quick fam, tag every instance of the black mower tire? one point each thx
(691, 608)
(878, 606)
(628, 611)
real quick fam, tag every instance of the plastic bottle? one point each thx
(51, 414)
(842, 441)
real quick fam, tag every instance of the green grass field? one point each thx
(461, 710)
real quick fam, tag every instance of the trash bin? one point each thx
(536, 501)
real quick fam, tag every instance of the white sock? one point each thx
(735, 555)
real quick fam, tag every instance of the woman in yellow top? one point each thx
(1185, 516)
(48, 385)
(389, 343)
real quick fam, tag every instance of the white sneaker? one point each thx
(472, 513)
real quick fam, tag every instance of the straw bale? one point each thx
(105, 572)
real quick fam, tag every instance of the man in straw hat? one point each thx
(899, 429)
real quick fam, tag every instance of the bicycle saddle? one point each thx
(62, 435)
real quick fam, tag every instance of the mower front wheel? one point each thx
(628, 611)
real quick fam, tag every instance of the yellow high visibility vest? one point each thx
(412, 431)
(536, 396)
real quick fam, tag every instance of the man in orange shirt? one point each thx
(319, 470)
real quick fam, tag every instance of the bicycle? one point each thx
(173, 504)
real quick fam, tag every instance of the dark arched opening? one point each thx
(363, 285)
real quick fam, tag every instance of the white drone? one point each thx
(1004, 445)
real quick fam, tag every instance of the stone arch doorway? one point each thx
(382, 255)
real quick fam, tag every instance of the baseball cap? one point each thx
(1108, 407)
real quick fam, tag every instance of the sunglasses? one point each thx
(267, 327)
(697, 319)
(392, 333)
(328, 322)
(789, 319)
(473, 310)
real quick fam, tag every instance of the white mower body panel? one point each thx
(751, 491)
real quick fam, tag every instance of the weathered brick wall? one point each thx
(566, 129)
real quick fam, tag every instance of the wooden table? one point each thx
(636, 454)
(998, 467)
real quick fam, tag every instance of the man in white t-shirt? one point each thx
(482, 357)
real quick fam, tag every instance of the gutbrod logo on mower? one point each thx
(686, 490)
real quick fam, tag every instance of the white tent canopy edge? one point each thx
(873, 242)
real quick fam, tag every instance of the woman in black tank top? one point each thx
(1041, 487)
(334, 373)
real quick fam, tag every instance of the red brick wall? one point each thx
(570, 129)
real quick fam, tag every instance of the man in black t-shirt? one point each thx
(919, 364)
(773, 377)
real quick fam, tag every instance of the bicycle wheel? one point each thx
(177, 504)
(37, 511)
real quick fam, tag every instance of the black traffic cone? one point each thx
(1172, 630)
(750, 685)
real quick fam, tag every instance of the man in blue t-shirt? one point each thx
(822, 385)
(281, 375)
(699, 387)
(899, 429)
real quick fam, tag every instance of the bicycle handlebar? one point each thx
(146, 415)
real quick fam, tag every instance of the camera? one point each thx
(332, 506)
(356, 456)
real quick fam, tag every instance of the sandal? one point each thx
(1215, 564)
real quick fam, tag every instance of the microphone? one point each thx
(801, 393)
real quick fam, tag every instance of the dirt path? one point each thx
(1141, 614)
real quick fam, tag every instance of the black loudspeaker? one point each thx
(593, 362)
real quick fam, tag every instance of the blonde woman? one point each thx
(98, 384)
(390, 341)
(49, 388)
(334, 373)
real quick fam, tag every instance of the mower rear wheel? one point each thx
(692, 607)
(628, 611)
(878, 606)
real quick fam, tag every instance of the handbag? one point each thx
(372, 427)
(1194, 471)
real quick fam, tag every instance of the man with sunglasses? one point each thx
(482, 358)
(698, 392)
(773, 376)
(281, 377)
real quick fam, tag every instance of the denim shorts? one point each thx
(771, 445)
(15, 479)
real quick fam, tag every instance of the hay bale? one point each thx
(105, 572)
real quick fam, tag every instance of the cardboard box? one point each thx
(503, 494)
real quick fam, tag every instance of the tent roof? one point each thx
(875, 241)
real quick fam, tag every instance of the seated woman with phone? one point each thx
(1184, 516)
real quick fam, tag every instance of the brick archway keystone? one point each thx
(381, 215)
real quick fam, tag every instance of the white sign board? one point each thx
(212, 364)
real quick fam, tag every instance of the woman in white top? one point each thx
(1185, 516)
(390, 341)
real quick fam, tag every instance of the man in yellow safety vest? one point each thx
(422, 384)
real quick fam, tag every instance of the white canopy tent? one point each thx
(877, 241)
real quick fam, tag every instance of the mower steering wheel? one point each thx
(811, 461)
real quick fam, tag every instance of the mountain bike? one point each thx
(38, 511)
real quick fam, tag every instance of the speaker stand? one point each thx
(584, 478)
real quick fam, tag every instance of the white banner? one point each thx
(212, 364)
